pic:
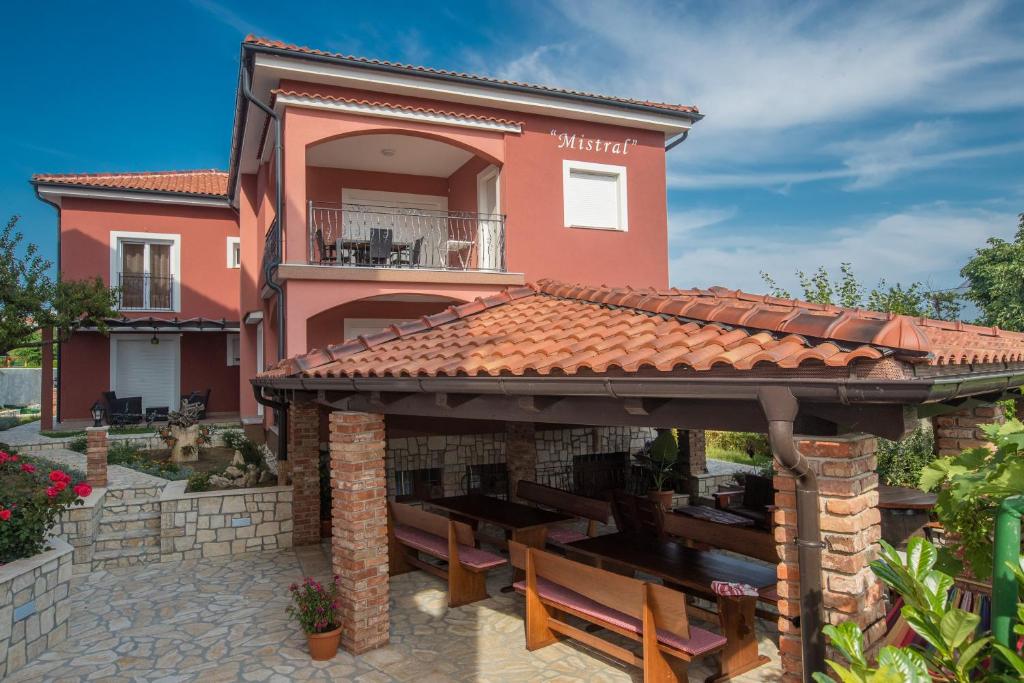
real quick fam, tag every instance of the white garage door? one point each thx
(139, 367)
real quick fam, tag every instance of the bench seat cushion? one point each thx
(699, 642)
(562, 535)
(432, 544)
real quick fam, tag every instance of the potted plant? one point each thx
(315, 607)
(660, 458)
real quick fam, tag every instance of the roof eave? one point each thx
(43, 185)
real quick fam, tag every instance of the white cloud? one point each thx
(681, 223)
(927, 244)
(228, 17)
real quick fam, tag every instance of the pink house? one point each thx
(359, 193)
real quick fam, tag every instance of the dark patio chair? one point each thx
(381, 240)
(200, 397)
(327, 251)
(122, 411)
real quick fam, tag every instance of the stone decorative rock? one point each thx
(237, 460)
(185, 448)
(34, 605)
(232, 472)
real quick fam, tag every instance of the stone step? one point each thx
(126, 537)
(127, 520)
(124, 557)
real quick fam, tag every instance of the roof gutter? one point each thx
(678, 140)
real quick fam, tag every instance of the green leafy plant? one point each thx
(900, 462)
(314, 605)
(128, 454)
(78, 444)
(956, 652)
(995, 282)
(970, 488)
(198, 482)
(660, 457)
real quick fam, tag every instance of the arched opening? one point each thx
(369, 315)
(386, 199)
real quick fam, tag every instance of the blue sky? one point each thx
(890, 135)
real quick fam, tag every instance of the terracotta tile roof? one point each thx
(277, 44)
(203, 182)
(556, 328)
(392, 105)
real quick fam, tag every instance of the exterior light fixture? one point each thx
(388, 152)
(97, 411)
(154, 341)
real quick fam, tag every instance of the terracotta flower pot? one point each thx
(662, 498)
(324, 646)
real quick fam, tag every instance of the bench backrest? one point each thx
(621, 593)
(638, 516)
(430, 522)
(563, 501)
(738, 539)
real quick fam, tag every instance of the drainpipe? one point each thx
(56, 357)
(1004, 583)
(269, 269)
(780, 407)
(678, 140)
(280, 409)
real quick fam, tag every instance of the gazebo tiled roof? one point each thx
(553, 328)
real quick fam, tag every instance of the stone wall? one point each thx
(218, 523)
(20, 386)
(33, 605)
(79, 526)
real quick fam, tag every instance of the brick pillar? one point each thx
(96, 456)
(693, 452)
(850, 529)
(520, 453)
(304, 468)
(956, 431)
(359, 546)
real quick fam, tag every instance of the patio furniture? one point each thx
(695, 571)
(714, 515)
(648, 613)
(412, 531)
(122, 411)
(157, 414)
(381, 240)
(580, 507)
(638, 516)
(753, 502)
(702, 534)
(328, 252)
(905, 513)
(200, 397)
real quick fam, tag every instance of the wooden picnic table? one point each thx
(714, 515)
(899, 498)
(694, 571)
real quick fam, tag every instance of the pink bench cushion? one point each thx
(563, 535)
(474, 558)
(699, 642)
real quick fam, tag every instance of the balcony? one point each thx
(145, 292)
(376, 236)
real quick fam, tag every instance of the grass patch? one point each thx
(114, 431)
(9, 422)
(739, 457)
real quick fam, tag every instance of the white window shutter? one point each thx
(594, 196)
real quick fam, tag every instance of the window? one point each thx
(144, 268)
(234, 252)
(595, 195)
(234, 350)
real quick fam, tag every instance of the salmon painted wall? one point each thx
(328, 327)
(84, 374)
(208, 287)
(462, 185)
(325, 184)
(204, 366)
(531, 185)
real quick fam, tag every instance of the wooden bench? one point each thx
(412, 531)
(647, 613)
(748, 541)
(593, 510)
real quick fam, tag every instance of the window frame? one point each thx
(620, 174)
(232, 244)
(119, 237)
(234, 339)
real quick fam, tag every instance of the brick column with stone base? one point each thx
(96, 447)
(304, 460)
(958, 431)
(850, 528)
(359, 545)
(520, 454)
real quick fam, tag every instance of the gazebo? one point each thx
(821, 381)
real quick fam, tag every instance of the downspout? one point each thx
(269, 269)
(1004, 583)
(780, 407)
(56, 357)
(669, 146)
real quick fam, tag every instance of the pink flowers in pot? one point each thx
(315, 605)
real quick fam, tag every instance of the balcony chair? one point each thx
(122, 411)
(326, 251)
(200, 397)
(411, 257)
(381, 240)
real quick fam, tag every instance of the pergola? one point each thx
(822, 381)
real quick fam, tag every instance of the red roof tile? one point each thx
(392, 105)
(204, 182)
(553, 327)
(277, 44)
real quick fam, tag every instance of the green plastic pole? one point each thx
(1004, 583)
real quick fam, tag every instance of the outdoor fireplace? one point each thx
(419, 484)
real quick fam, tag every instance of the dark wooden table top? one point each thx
(714, 515)
(898, 498)
(674, 562)
(502, 513)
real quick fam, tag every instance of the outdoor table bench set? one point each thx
(639, 582)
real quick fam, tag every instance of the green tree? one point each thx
(915, 300)
(995, 276)
(31, 301)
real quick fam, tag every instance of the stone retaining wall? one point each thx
(218, 523)
(34, 605)
(79, 526)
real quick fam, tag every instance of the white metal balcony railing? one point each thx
(371, 236)
(144, 292)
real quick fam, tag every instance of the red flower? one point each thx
(5, 515)
(14, 458)
(4, 456)
(58, 475)
(28, 467)
(52, 492)
(60, 485)
(82, 490)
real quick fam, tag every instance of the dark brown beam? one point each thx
(888, 421)
(535, 404)
(452, 401)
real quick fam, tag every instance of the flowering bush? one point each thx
(314, 605)
(31, 499)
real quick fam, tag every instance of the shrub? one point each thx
(198, 482)
(900, 462)
(126, 454)
(78, 444)
(751, 443)
(31, 499)
(314, 605)
(252, 452)
(233, 438)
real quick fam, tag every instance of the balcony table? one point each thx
(343, 244)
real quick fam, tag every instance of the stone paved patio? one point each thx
(224, 620)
